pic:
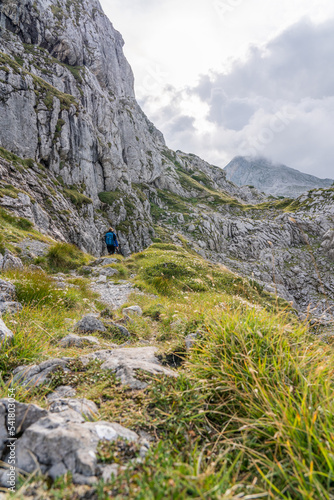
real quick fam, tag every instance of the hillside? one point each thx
(198, 363)
(272, 179)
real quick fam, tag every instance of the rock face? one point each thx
(277, 180)
(67, 108)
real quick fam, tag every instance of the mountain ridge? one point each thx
(272, 178)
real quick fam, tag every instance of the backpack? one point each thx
(110, 239)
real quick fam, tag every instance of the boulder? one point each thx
(106, 271)
(125, 361)
(63, 391)
(57, 443)
(35, 375)
(90, 324)
(133, 310)
(74, 340)
(7, 291)
(5, 333)
(11, 262)
(10, 307)
(121, 329)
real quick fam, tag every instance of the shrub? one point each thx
(65, 256)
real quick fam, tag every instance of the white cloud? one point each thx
(220, 77)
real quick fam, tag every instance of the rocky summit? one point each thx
(272, 179)
(197, 362)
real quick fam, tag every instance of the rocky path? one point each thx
(64, 436)
(113, 295)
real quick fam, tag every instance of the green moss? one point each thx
(18, 222)
(110, 197)
(78, 199)
(8, 190)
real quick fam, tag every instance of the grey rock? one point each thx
(11, 262)
(33, 248)
(84, 407)
(6, 334)
(125, 361)
(90, 324)
(36, 375)
(190, 340)
(7, 291)
(133, 310)
(102, 279)
(57, 471)
(25, 414)
(73, 340)
(121, 329)
(84, 480)
(107, 272)
(3, 426)
(11, 307)
(63, 391)
(107, 472)
(56, 443)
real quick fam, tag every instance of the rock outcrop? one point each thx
(57, 440)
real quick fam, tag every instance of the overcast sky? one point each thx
(222, 78)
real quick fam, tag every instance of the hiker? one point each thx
(111, 241)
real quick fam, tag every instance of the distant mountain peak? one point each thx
(271, 178)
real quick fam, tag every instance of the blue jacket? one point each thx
(111, 239)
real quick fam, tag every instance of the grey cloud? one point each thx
(296, 64)
(278, 103)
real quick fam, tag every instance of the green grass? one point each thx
(65, 257)
(36, 288)
(16, 222)
(170, 271)
(78, 199)
(249, 416)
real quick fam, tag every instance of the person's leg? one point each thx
(109, 248)
(113, 248)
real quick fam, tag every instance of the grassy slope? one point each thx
(251, 411)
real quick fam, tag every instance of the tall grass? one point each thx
(36, 288)
(269, 389)
(65, 257)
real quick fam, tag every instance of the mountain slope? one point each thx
(68, 104)
(78, 154)
(267, 177)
